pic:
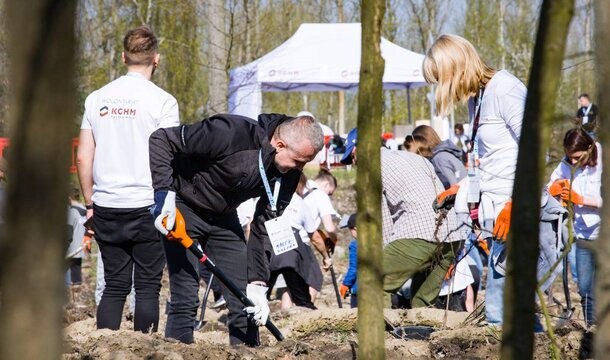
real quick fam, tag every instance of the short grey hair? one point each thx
(295, 130)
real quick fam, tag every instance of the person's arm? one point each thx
(84, 163)
(170, 116)
(208, 139)
(329, 226)
(351, 275)
(318, 243)
(511, 108)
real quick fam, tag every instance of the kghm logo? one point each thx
(104, 111)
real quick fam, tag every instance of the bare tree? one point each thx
(602, 249)
(217, 49)
(521, 281)
(368, 185)
(42, 46)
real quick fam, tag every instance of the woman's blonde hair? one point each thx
(459, 72)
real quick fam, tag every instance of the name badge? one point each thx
(474, 188)
(281, 235)
(585, 119)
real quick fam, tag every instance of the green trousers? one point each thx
(426, 263)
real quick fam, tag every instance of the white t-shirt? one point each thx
(587, 182)
(499, 132)
(122, 115)
(300, 217)
(318, 202)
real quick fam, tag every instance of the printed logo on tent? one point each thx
(104, 111)
(416, 72)
(272, 72)
(344, 73)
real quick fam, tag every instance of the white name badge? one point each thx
(281, 235)
(585, 119)
(474, 188)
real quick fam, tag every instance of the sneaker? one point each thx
(219, 303)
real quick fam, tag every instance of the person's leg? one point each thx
(100, 283)
(572, 262)
(76, 276)
(494, 293)
(117, 273)
(299, 290)
(226, 247)
(111, 231)
(585, 264)
(402, 259)
(148, 268)
(313, 294)
(183, 269)
(286, 300)
(443, 254)
(354, 300)
(470, 298)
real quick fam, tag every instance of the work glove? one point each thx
(87, 241)
(343, 290)
(557, 187)
(260, 311)
(503, 222)
(570, 195)
(164, 207)
(450, 272)
(446, 199)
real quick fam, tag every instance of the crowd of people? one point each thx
(446, 205)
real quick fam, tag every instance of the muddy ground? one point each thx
(328, 333)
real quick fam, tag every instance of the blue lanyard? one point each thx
(276, 190)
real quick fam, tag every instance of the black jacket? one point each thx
(213, 166)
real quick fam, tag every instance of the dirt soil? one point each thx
(328, 333)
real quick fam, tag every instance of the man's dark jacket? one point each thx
(213, 167)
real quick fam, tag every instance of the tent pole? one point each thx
(409, 102)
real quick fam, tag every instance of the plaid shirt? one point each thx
(409, 186)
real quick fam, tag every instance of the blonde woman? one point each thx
(496, 101)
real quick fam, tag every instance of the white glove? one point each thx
(165, 206)
(260, 311)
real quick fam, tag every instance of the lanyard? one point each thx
(475, 123)
(276, 189)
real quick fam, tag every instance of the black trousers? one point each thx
(297, 287)
(131, 249)
(222, 239)
(76, 272)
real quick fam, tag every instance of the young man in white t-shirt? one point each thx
(114, 173)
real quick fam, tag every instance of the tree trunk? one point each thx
(42, 48)
(602, 281)
(218, 57)
(519, 299)
(368, 185)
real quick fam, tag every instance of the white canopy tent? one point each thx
(318, 57)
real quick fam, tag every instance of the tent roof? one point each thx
(326, 57)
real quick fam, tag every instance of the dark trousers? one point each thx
(76, 273)
(131, 249)
(222, 239)
(353, 302)
(297, 287)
